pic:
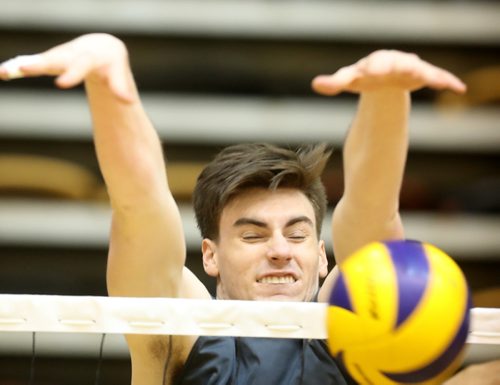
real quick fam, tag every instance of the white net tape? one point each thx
(124, 315)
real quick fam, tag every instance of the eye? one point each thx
(251, 237)
(297, 236)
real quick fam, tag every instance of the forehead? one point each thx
(267, 205)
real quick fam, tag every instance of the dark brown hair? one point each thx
(245, 166)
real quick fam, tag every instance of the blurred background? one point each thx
(218, 72)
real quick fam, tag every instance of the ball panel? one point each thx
(445, 364)
(366, 363)
(371, 280)
(370, 315)
(340, 296)
(440, 364)
(340, 335)
(412, 270)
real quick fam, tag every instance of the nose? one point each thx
(279, 251)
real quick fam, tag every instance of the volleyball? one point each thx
(399, 313)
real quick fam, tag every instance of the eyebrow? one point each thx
(254, 222)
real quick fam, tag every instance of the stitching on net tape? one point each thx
(175, 316)
(122, 315)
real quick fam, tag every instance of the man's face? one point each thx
(267, 248)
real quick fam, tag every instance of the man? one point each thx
(261, 237)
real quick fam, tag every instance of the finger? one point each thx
(453, 83)
(334, 84)
(4, 74)
(75, 73)
(18, 67)
(439, 78)
(48, 63)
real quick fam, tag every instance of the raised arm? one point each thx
(377, 142)
(147, 249)
(147, 244)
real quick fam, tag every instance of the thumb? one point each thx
(336, 83)
(323, 85)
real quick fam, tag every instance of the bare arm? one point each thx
(373, 165)
(487, 373)
(376, 145)
(147, 249)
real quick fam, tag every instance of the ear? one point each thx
(209, 251)
(323, 260)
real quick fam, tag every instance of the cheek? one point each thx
(235, 261)
(311, 262)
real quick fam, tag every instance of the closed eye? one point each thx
(298, 236)
(252, 237)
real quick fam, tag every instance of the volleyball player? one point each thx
(260, 234)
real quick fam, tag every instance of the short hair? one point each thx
(258, 165)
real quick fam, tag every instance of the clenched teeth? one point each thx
(274, 279)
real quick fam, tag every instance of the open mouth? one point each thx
(277, 280)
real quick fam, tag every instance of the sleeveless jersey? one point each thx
(259, 361)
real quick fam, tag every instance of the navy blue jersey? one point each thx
(259, 361)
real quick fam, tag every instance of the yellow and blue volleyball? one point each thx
(399, 314)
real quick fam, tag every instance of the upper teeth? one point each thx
(273, 279)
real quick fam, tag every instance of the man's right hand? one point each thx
(97, 57)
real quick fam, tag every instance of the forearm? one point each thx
(375, 152)
(374, 161)
(147, 251)
(128, 148)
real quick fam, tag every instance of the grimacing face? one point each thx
(267, 248)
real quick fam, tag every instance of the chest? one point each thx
(257, 361)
